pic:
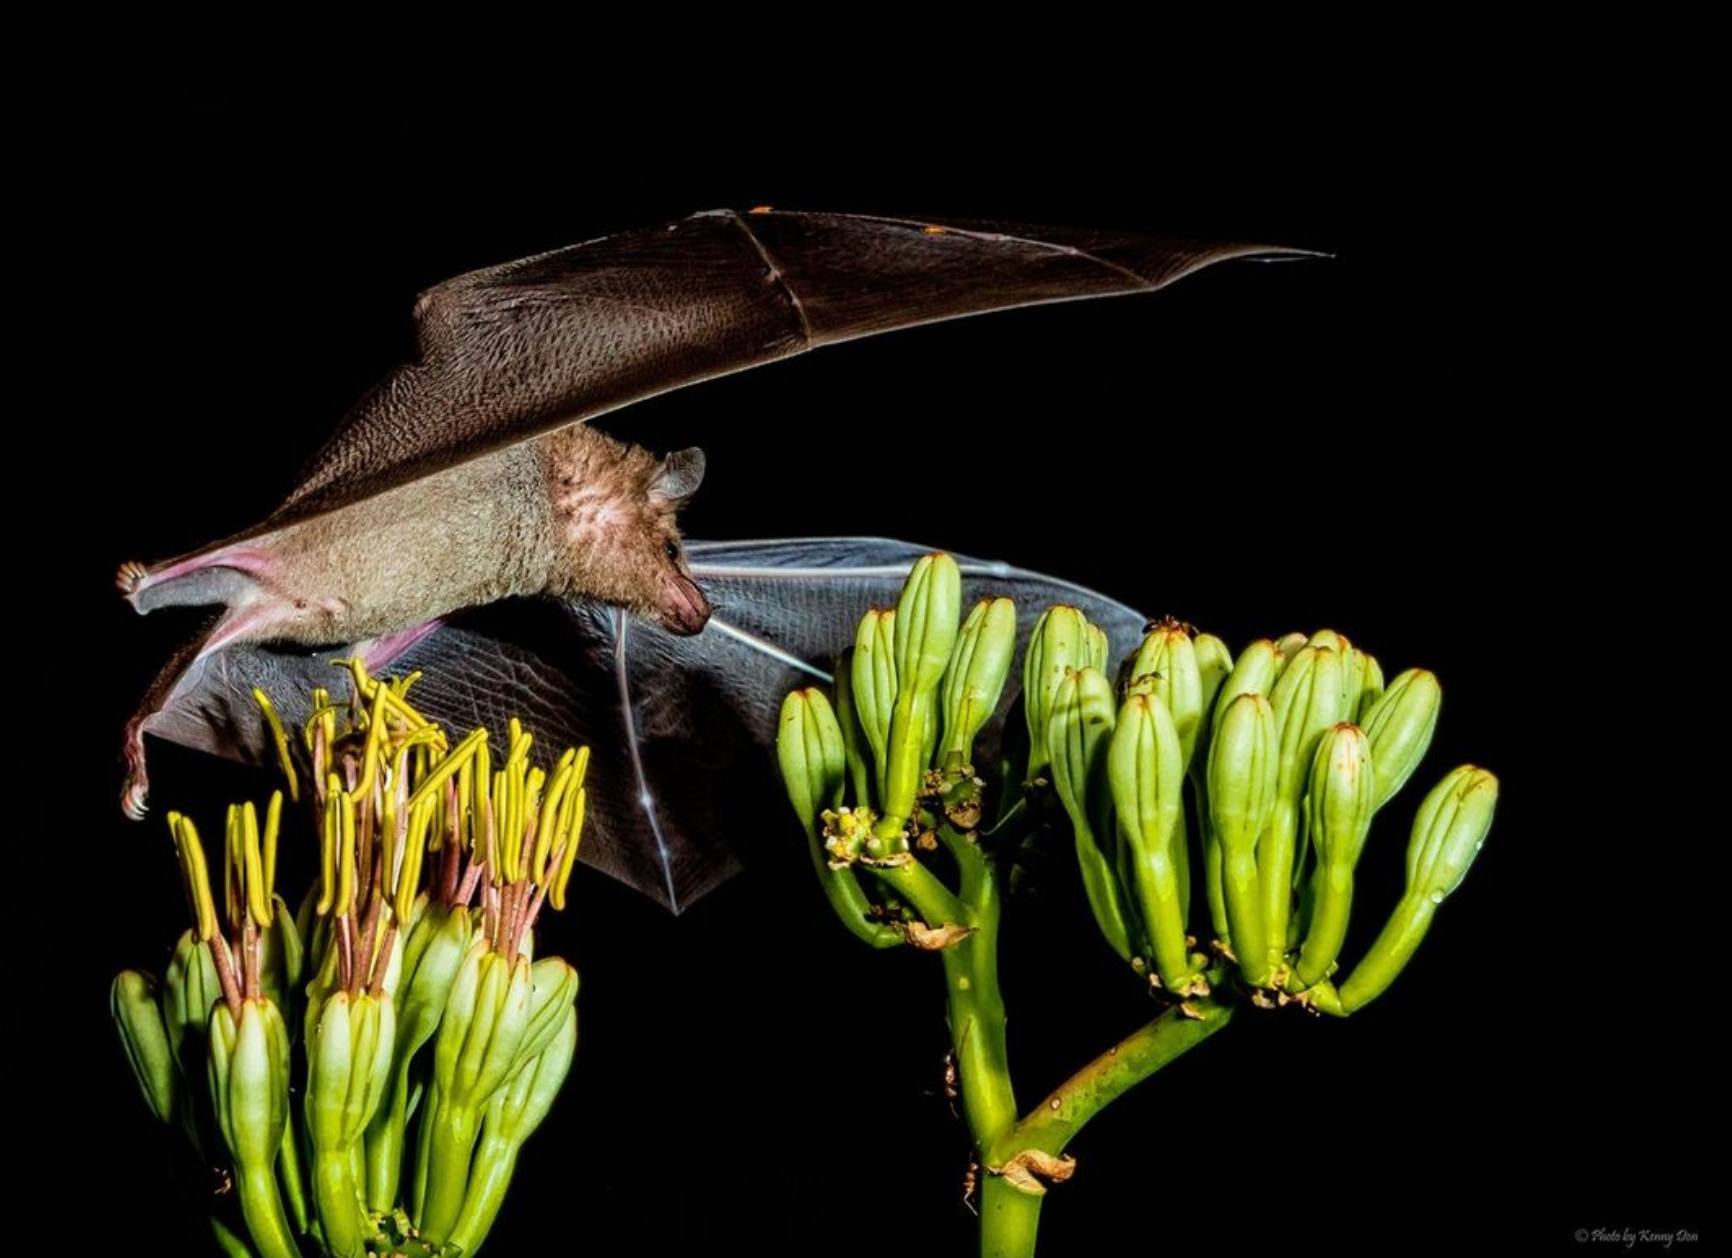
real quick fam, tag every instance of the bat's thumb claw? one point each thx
(127, 579)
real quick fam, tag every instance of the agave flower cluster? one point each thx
(401, 1004)
(1206, 796)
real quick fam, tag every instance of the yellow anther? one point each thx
(572, 832)
(441, 773)
(580, 765)
(234, 864)
(195, 872)
(258, 892)
(376, 732)
(415, 843)
(547, 823)
(484, 828)
(279, 739)
(532, 791)
(273, 822)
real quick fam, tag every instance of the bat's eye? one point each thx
(671, 549)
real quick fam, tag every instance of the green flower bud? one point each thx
(487, 1019)
(248, 1073)
(143, 1033)
(1286, 647)
(926, 627)
(1166, 665)
(810, 751)
(1243, 761)
(1307, 701)
(1145, 768)
(854, 744)
(1062, 641)
(873, 672)
(1341, 803)
(282, 960)
(1371, 689)
(1254, 672)
(348, 1073)
(1400, 725)
(975, 676)
(437, 945)
(1448, 832)
(190, 991)
(1214, 665)
(1077, 736)
(512, 1117)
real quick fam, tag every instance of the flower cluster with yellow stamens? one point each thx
(403, 993)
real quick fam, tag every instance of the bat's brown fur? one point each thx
(573, 514)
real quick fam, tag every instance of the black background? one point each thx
(1416, 443)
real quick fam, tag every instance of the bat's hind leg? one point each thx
(248, 622)
(228, 576)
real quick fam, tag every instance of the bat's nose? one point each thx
(685, 610)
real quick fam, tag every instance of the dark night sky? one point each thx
(1432, 394)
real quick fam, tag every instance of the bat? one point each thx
(467, 479)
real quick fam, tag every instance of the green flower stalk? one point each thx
(409, 973)
(1341, 803)
(1278, 769)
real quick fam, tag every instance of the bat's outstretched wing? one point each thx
(681, 728)
(512, 351)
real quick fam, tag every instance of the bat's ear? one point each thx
(680, 475)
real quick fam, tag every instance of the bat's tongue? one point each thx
(684, 610)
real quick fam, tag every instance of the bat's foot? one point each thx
(135, 790)
(130, 577)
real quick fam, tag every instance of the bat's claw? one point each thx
(131, 575)
(135, 790)
(134, 797)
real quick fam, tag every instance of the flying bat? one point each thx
(468, 477)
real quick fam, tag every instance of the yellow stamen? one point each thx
(409, 877)
(234, 862)
(568, 859)
(279, 739)
(441, 773)
(532, 789)
(258, 892)
(273, 821)
(375, 744)
(195, 872)
(547, 826)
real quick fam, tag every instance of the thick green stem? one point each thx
(453, 1146)
(1009, 1219)
(1052, 1124)
(384, 1143)
(495, 1161)
(976, 1012)
(337, 1197)
(267, 1227)
(293, 1183)
(1007, 1225)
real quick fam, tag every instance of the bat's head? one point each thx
(618, 508)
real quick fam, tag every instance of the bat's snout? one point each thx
(684, 608)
